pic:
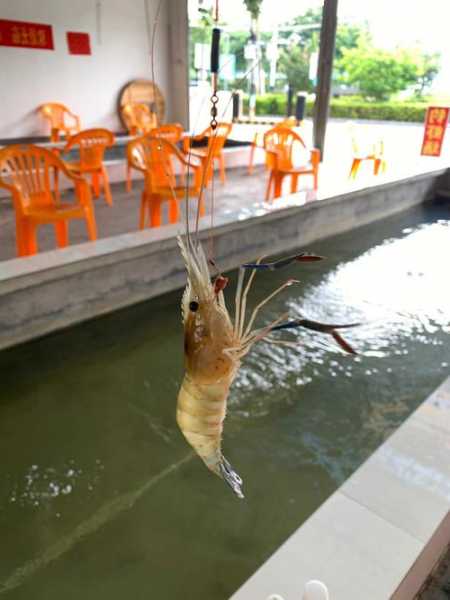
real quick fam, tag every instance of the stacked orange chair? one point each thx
(92, 144)
(62, 120)
(214, 150)
(138, 118)
(279, 144)
(157, 159)
(172, 132)
(27, 172)
(258, 139)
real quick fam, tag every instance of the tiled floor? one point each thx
(240, 193)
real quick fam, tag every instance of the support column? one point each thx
(179, 60)
(324, 71)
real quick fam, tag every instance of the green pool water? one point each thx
(101, 498)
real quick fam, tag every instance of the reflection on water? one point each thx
(100, 496)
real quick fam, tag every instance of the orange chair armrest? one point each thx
(135, 165)
(76, 118)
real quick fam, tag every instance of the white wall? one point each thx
(89, 85)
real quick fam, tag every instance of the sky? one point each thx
(391, 22)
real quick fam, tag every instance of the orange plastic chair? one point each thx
(92, 145)
(279, 145)
(58, 114)
(258, 139)
(138, 118)
(374, 153)
(216, 141)
(156, 158)
(172, 132)
(27, 172)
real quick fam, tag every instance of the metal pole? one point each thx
(324, 71)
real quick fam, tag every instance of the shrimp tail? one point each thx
(230, 476)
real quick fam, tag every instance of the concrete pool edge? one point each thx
(382, 532)
(60, 288)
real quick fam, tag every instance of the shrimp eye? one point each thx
(193, 306)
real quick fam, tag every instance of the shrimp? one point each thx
(214, 347)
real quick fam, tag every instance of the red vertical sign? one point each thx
(435, 125)
(21, 34)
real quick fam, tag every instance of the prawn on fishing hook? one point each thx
(215, 343)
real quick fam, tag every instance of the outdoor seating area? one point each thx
(172, 162)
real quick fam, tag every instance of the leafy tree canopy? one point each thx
(253, 7)
(380, 73)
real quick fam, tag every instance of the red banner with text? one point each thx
(21, 34)
(435, 125)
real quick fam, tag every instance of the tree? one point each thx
(349, 36)
(378, 73)
(294, 63)
(254, 8)
(428, 68)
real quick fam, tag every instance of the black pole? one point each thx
(300, 106)
(290, 94)
(324, 71)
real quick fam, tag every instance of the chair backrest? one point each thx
(138, 118)
(172, 132)
(27, 171)
(55, 113)
(281, 140)
(287, 122)
(155, 156)
(92, 144)
(217, 138)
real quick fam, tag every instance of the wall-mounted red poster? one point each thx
(21, 34)
(435, 125)
(78, 43)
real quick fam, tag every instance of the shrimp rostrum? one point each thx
(214, 346)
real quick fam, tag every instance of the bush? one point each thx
(352, 107)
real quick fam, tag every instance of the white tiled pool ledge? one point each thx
(380, 534)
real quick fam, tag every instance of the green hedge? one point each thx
(347, 108)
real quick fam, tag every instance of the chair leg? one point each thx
(278, 185)
(316, 178)
(96, 184)
(354, 168)
(294, 183)
(201, 206)
(174, 211)
(155, 211)
(30, 239)
(142, 210)
(91, 225)
(269, 186)
(128, 178)
(62, 234)
(222, 167)
(106, 186)
(376, 165)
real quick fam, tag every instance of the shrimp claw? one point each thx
(229, 475)
(322, 328)
(283, 262)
